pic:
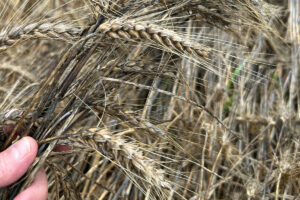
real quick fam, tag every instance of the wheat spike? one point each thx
(125, 153)
(131, 30)
(58, 31)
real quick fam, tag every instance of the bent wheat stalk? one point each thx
(117, 29)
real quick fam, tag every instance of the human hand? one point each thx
(14, 163)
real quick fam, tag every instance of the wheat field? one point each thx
(154, 99)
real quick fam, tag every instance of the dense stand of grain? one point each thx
(154, 99)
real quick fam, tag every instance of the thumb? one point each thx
(15, 160)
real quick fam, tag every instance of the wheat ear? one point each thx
(125, 154)
(131, 30)
(38, 30)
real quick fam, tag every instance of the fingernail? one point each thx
(21, 148)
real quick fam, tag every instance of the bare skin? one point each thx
(14, 163)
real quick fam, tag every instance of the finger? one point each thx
(37, 190)
(15, 160)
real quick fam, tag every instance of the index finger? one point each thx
(15, 160)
